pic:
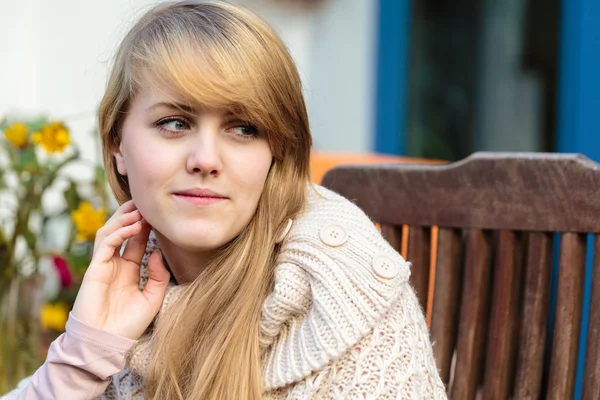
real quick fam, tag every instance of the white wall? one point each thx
(55, 56)
(342, 75)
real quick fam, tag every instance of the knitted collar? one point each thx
(328, 293)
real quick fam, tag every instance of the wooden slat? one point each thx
(568, 316)
(419, 243)
(473, 315)
(485, 191)
(532, 342)
(504, 313)
(591, 378)
(432, 268)
(404, 251)
(444, 321)
(393, 234)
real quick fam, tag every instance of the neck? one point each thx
(185, 265)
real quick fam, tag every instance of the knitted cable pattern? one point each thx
(394, 361)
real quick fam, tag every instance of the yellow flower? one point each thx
(54, 137)
(88, 220)
(54, 316)
(16, 134)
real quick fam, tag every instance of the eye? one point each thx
(244, 130)
(172, 125)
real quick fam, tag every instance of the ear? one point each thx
(119, 160)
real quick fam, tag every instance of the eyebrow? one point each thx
(183, 107)
(173, 106)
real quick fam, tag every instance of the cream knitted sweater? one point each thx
(342, 321)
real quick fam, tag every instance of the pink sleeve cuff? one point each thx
(79, 364)
(97, 337)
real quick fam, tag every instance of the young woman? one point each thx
(254, 283)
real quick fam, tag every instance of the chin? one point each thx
(199, 239)
(199, 243)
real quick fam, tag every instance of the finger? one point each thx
(122, 220)
(124, 208)
(136, 246)
(113, 242)
(158, 280)
(112, 225)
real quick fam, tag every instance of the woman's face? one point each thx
(195, 175)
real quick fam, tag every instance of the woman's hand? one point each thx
(109, 298)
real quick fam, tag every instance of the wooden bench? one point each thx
(497, 215)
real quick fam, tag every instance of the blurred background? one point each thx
(427, 79)
(424, 78)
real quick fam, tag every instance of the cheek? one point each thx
(144, 170)
(149, 170)
(251, 170)
(145, 160)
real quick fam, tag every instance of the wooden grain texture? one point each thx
(567, 323)
(444, 319)
(419, 243)
(484, 191)
(473, 315)
(536, 303)
(501, 345)
(591, 375)
(393, 234)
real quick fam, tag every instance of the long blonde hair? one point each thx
(220, 55)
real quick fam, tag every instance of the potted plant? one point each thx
(33, 156)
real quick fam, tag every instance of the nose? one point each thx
(204, 157)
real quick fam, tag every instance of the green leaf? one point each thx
(78, 259)
(100, 175)
(28, 159)
(100, 184)
(30, 239)
(72, 196)
(37, 124)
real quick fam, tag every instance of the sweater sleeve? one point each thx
(79, 365)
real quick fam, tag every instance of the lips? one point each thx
(199, 197)
(200, 193)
